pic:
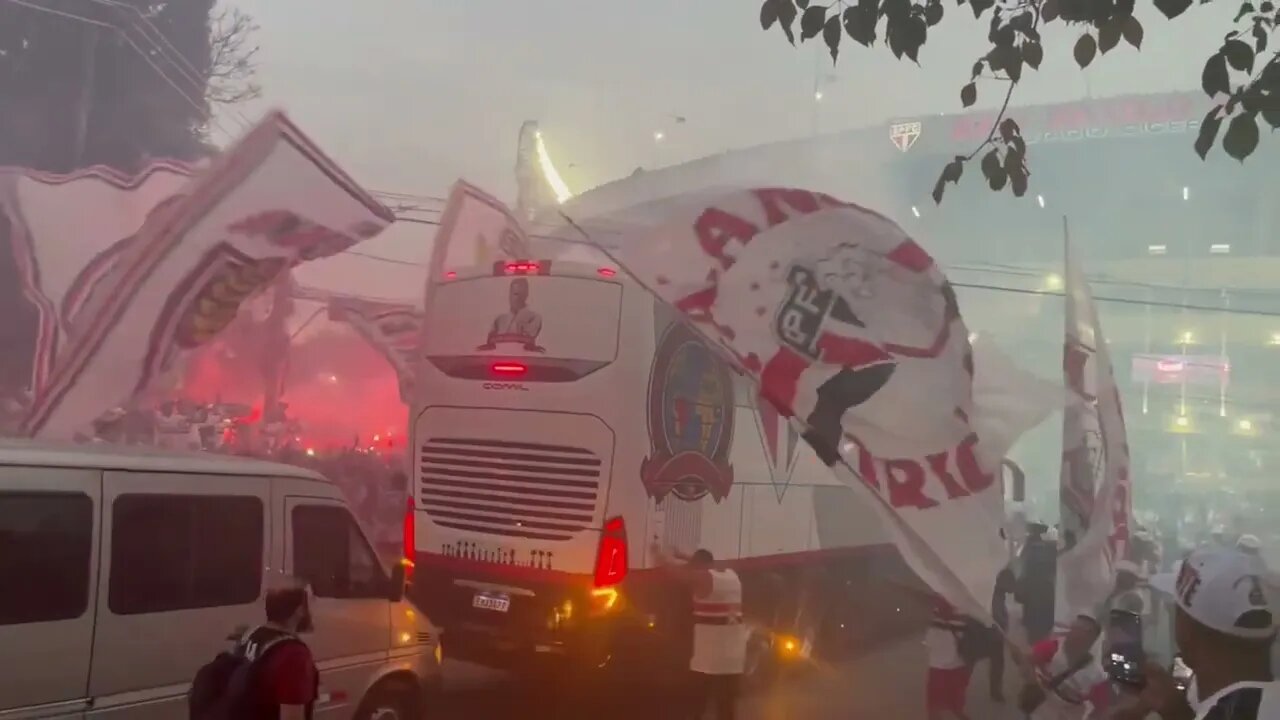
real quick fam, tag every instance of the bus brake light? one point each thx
(409, 540)
(521, 267)
(611, 556)
(509, 368)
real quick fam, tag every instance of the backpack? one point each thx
(974, 642)
(224, 688)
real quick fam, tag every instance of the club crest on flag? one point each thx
(904, 135)
(690, 420)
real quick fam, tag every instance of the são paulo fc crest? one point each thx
(904, 135)
(690, 417)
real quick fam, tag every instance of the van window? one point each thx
(331, 553)
(176, 552)
(45, 544)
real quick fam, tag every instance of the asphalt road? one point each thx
(885, 683)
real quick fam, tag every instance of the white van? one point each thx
(122, 572)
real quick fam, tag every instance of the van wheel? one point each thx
(393, 702)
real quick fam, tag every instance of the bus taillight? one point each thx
(409, 548)
(522, 267)
(611, 557)
(508, 369)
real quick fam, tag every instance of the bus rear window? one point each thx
(529, 316)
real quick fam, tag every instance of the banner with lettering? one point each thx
(391, 329)
(853, 333)
(66, 230)
(1095, 488)
(265, 205)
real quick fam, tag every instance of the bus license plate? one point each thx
(497, 602)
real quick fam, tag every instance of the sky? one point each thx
(410, 95)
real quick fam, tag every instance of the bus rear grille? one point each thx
(517, 489)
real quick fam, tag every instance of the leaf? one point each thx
(1009, 130)
(861, 28)
(1018, 182)
(939, 188)
(802, 4)
(954, 169)
(812, 21)
(981, 6)
(1208, 133)
(1245, 9)
(1260, 39)
(950, 173)
(1266, 7)
(1008, 59)
(1133, 32)
(1108, 36)
(991, 163)
(1239, 55)
(1241, 137)
(1214, 78)
(968, 94)
(786, 18)
(933, 12)
(1049, 10)
(1084, 50)
(1271, 112)
(768, 14)
(915, 34)
(1032, 54)
(977, 70)
(831, 36)
(997, 178)
(994, 171)
(893, 33)
(1172, 8)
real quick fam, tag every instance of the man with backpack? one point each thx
(270, 673)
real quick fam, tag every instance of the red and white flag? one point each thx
(267, 204)
(392, 329)
(1095, 488)
(853, 333)
(66, 232)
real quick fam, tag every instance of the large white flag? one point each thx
(268, 203)
(1095, 489)
(67, 231)
(852, 332)
(392, 329)
(475, 228)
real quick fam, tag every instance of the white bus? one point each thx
(564, 422)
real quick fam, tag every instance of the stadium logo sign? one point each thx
(904, 135)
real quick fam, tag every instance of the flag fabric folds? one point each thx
(1095, 487)
(268, 203)
(67, 231)
(391, 329)
(853, 333)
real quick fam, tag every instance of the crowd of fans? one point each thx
(370, 471)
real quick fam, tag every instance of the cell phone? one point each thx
(1126, 656)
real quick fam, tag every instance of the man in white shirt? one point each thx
(719, 636)
(1224, 628)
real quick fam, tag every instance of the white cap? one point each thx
(1224, 590)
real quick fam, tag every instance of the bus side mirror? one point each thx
(395, 589)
